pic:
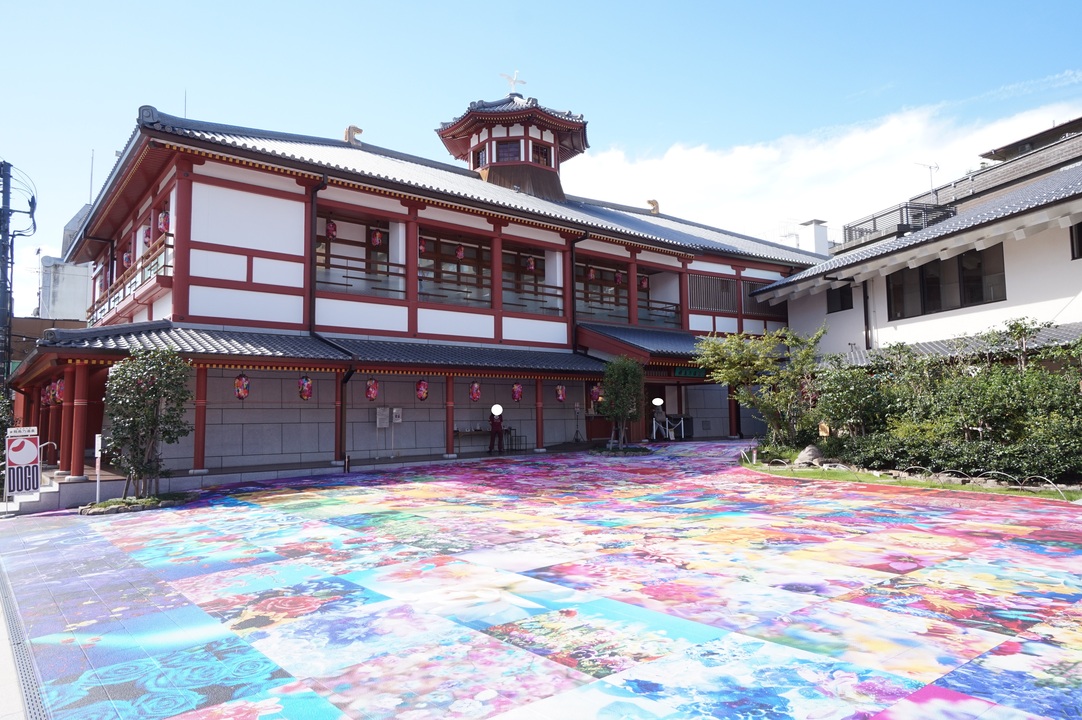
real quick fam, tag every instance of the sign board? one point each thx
(383, 417)
(396, 415)
(22, 461)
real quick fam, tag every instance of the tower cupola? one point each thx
(516, 143)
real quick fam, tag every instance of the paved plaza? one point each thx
(677, 585)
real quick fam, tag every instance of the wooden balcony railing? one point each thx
(156, 261)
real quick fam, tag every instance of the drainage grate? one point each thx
(20, 647)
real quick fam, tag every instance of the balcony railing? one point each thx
(659, 314)
(361, 276)
(606, 307)
(455, 288)
(533, 298)
(156, 261)
(897, 220)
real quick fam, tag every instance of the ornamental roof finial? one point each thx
(512, 81)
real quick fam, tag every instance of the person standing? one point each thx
(495, 422)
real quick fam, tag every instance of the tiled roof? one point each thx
(261, 346)
(459, 356)
(196, 341)
(1055, 187)
(1045, 337)
(670, 343)
(368, 162)
(512, 103)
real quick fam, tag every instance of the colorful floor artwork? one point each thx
(676, 585)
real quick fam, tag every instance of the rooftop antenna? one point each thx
(933, 168)
(512, 81)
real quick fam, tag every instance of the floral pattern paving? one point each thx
(675, 585)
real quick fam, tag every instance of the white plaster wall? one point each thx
(771, 275)
(223, 171)
(447, 322)
(701, 323)
(163, 307)
(603, 248)
(541, 331)
(355, 197)
(705, 266)
(244, 304)
(220, 266)
(233, 218)
(808, 313)
(457, 218)
(659, 259)
(532, 233)
(665, 287)
(277, 272)
(361, 315)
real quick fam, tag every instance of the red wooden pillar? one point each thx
(66, 417)
(78, 432)
(32, 405)
(633, 289)
(685, 295)
(497, 284)
(54, 433)
(569, 286)
(182, 237)
(199, 461)
(41, 418)
(413, 249)
(339, 416)
(539, 387)
(449, 416)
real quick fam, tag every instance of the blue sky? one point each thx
(751, 116)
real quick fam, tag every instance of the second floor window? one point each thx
(508, 151)
(542, 155)
(711, 294)
(480, 157)
(972, 278)
(839, 299)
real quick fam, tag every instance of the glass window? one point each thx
(973, 278)
(508, 151)
(480, 157)
(839, 299)
(541, 155)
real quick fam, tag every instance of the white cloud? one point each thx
(839, 174)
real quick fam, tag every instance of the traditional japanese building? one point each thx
(340, 300)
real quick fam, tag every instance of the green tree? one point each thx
(773, 374)
(622, 396)
(145, 400)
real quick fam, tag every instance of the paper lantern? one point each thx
(44, 394)
(422, 247)
(422, 390)
(644, 282)
(304, 387)
(460, 252)
(371, 389)
(619, 278)
(516, 392)
(591, 274)
(595, 392)
(377, 238)
(146, 235)
(331, 231)
(561, 393)
(126, 259)
(163, 221)
(530, 264)
(475, 391)
(60, 391)
(241, 386)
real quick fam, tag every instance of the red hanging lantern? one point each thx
(146, 236)
(422, 247)
(44, 394)
(530, 264)
(644, 282)
(371, 389)
(241, 386)
(126, 259)
(422, 390)
(460, 252)
(619, 278)
(331, 231)
(60, 391)
(595, 392)
(304, 387)
(591, 274)
(163, 221)
(475, 391)
(516, 392)
(561, 393)
(377, 238)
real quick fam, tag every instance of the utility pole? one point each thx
(5, 271)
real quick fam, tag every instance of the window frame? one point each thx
(839, 299)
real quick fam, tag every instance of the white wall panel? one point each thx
(762, 274)
(542, 331)
(249, 177)
(532, 233)
(355, 197)
(445, 322)
(710, 267)
(361, 315)
(456, 218)
(245, 305)
(163, 307)
(220, 266)
(277, 272)
(222, 216)
(701, 323)
(725, 324)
